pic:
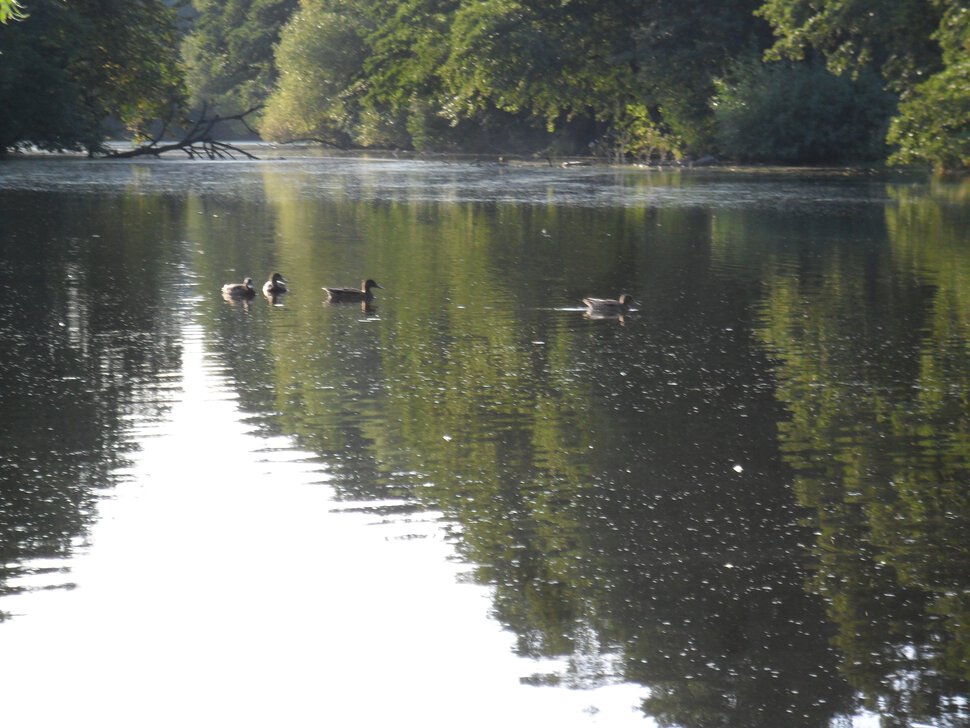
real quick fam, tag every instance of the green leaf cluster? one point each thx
(800, 113)
(934, 120)
(71, 66)
(229, 53)
(920, 47)
(320, 54)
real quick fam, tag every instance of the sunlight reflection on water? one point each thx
(279, 489)
(216, 589)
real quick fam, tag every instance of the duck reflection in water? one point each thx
(345, 295)
(609, 308)
(244, 291)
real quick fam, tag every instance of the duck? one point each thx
(246, 289)
(364, 293)
(608, 306)
(274, 286)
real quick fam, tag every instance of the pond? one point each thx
(744, 502)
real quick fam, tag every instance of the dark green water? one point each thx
(749, 498)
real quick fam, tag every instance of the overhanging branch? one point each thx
(199, 141)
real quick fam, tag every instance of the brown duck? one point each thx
(364, 293)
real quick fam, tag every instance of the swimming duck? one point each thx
(246, 289)
(274, 286)
(339, 295)
(608, 306)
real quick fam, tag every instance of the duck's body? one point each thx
(274, 286)
(364, 293)
(608, 306)
(246, 289)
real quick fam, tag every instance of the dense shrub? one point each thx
(800, 113)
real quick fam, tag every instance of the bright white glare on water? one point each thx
(223, 586)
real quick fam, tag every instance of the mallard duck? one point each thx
(246, 289)
(608, 306)
(339, 295)
(274, 286)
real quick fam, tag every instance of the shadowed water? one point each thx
(744, 503)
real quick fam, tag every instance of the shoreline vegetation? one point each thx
(781, 82)
(265, 151)
(261, 151)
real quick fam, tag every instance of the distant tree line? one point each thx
(774, 81)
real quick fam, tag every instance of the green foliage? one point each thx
(919, 46)
(229, 52)
(681, 47)
(70, 66)
(800, 113)
(636, 133)
(894, 37)
(35, 55)
(933, 125)
(376, 82)
(404, 97)
(536, 57)
(444, 74)
(320, 54)
(647, 80)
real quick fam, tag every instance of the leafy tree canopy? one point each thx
(640, 79)
(800, 113)
(70, 66)
(922, 49)
(321, 54)
(895, 37)
(229, 52)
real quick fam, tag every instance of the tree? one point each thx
(74, 65)
(800, 113)
(919, 46)
(934, 120)
(681, 47)
(407, 45)
(538, 57)
(643, 71)
(369, 74)
(933, 125)
(320, 56)
(895, 37)
(228, 54)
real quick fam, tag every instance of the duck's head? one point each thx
(277, 278)
(626, 299)
(370, 283)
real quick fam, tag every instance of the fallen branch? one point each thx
(314, 140)
(198, 142)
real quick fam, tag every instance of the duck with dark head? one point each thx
(275, 285)
(344, 295)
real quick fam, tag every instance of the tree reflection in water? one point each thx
(750, 498)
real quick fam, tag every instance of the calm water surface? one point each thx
(746, 503)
